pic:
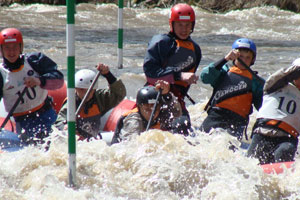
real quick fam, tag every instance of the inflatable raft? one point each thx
(277, 168)
(110, 119)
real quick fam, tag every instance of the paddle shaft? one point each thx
(14, 107)
(252, 72)
(190, 98)
(153, 110)
(88, 93)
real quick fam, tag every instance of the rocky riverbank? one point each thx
(210, 5)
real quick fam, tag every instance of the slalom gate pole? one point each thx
(71, 91)
(120, 34)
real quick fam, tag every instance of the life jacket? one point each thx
(88, 121)
(32, 101)
(283, 126)
(280, 110)
(155, 125)
(235, 92)
(183, 58)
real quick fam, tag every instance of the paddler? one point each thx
(98, 102)
(276, 130)
(235, 89)
(34, 114)
(167, 115)
(174, 57)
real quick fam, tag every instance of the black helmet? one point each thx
(146, 95)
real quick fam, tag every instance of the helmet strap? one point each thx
(192, 30)
(21, 48)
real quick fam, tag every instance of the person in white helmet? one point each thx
(276, 130)
(34, 115)
(98, 102)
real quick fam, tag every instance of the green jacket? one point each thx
(214, 75)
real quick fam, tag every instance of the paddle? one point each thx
(252, 72)
(190, 98)
(88, 92)
(13, 108)
(153, 109)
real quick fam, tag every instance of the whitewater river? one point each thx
(157, 165)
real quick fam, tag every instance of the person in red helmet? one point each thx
(34, 114)
(235, 89)
(174, 57)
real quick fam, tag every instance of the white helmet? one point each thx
(84, 79)
(296, 62)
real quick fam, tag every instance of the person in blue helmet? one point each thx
(276, 130)
(235, 89)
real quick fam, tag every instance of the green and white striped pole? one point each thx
(120, 34)
(71, 91)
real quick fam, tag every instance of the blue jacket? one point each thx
(168, 56)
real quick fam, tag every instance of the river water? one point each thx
(157, 165)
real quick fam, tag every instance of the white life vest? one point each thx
(13, 86)
(282, 105)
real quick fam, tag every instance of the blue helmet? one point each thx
(244, 43)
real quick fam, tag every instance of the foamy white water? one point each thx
(157, 165)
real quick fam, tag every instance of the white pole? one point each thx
(71, 91)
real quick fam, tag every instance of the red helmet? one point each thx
(11, 35)
(182, 12)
